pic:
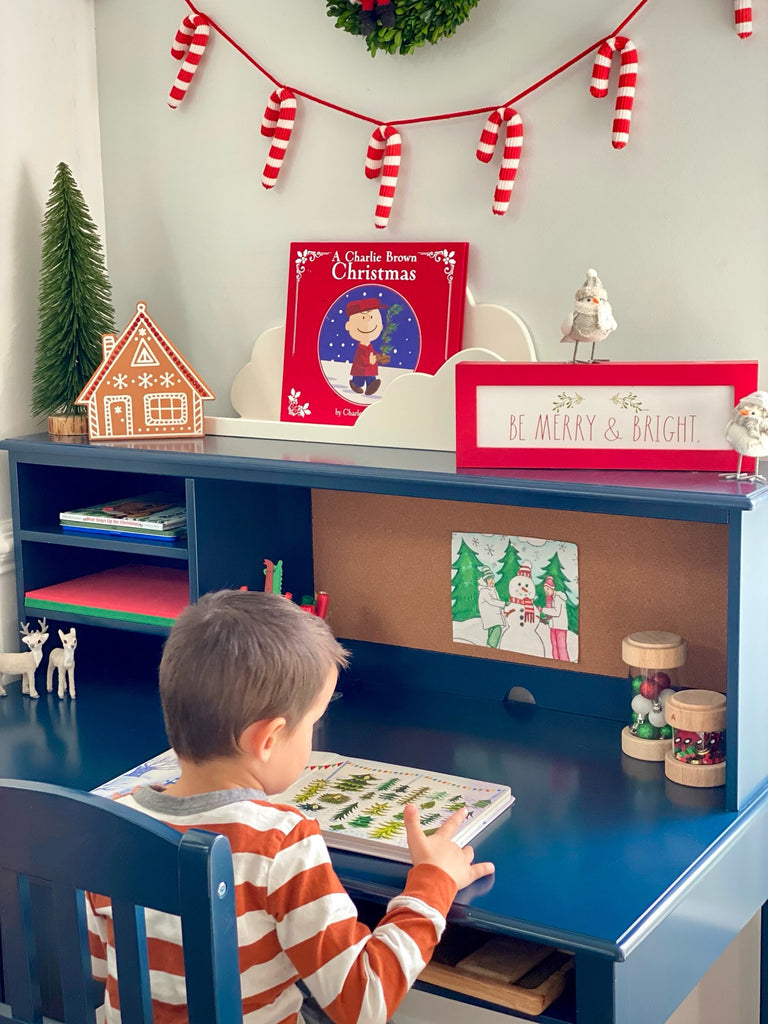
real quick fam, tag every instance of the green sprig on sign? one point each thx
(416, 22)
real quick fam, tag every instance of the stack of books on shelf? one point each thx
(156, 515)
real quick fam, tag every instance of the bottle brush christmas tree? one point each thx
(74, 303)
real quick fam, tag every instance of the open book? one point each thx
(359, 804)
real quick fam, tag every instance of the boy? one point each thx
(244, 676)
(364, 325)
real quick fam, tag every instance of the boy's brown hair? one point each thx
(238, 657)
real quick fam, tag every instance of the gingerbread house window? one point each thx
(164, 410)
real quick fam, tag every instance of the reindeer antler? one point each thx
(25, 630)
(43, 624)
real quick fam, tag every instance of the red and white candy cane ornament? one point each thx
(383, 158)
(513, 147)
(742, 17)
(277, 124)
(188, 46)
(625, 94)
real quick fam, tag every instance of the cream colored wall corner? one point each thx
(50, 114)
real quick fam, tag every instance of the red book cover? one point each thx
(138, 593)
(359, 315)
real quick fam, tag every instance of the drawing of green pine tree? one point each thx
(345, 812)
(361, 821)
(337, 828)
(429, 818)
(334, 798)
(417, 794)
(387, 785)
(456, 804)
(376, 809)
(354, 783)
(388, 830)
(310, 805)
(482, 803)
(404, 788)
(311, 790)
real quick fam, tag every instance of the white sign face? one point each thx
(648, 418)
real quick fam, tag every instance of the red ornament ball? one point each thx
(662, 680)
(650, 688)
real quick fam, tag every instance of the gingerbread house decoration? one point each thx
(143, 387)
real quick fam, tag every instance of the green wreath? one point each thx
(416, 22)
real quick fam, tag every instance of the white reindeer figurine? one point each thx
(62, 659)
(24, 663)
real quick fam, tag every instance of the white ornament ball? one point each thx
(664, 696)
(641, 705)
(657, 718)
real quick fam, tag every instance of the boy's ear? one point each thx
(259, 738)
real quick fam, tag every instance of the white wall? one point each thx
(675, 224)
(49, 114)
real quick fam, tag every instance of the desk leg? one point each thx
(595, 990)
(764, 964)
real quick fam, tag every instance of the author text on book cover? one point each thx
(361, 314)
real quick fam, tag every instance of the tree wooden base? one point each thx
(59, 426)
(644, 750)
(699, 775)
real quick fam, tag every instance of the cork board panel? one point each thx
(385, 561)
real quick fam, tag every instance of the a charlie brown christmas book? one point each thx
(362, 314)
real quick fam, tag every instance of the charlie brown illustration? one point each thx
(364, 325)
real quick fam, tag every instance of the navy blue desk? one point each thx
(646, 881)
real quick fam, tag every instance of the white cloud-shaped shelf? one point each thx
(416, 411)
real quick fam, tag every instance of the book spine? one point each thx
(145, 524)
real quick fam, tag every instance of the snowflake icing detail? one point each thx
(295, 407)
(120, 381)
(167, 379)
(145, 380)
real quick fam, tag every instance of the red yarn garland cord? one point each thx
(431, 117)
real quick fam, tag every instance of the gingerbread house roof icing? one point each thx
(141, 363)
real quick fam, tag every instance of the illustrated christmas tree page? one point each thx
(359, 804)
(516, 594)
(362, 314)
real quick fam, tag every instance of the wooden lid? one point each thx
(697, 710)
(653, 648)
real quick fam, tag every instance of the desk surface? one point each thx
(592, 843)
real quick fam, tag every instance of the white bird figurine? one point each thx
(592, 319)
(747, 433)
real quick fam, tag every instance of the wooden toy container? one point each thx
(653, 657)
(697, 757)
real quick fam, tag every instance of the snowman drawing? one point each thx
(520, 614)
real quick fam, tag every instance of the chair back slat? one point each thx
(67, 842)
(21, 982)
(74, 955)
(206, 887)
(132, 963)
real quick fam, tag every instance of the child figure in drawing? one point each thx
(244, 677)
(491, 608)
(365, 325)
(556, 616)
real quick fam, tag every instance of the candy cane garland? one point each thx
(277, 124)
(513, 147)
(383, 157)
(625, 94)
(742, 17)
(189, 46)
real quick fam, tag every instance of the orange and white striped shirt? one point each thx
(294, 919)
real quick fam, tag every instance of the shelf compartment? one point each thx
(144, 595)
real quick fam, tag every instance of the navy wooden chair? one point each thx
(65, 842)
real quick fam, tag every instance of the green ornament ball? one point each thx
(634, 718)
(636, 683)
(666, 732)
(646, 731)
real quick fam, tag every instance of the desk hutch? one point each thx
(645, 881)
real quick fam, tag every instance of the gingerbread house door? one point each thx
(118, 415)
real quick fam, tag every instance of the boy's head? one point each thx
(364, 323)
(239, 657)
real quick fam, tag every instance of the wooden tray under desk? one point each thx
(512, 973)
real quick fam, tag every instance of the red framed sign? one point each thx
(598, 415)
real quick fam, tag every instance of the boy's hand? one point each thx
(440, 850)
